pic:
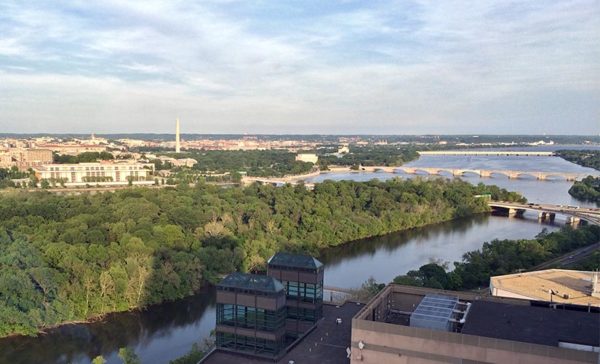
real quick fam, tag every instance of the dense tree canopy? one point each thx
(586, 158)
(85, 157)
(372, 156)
(502, 257)
(588, 189)
(261, 163)
(65, 258)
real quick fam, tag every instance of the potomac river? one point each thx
(167, 331)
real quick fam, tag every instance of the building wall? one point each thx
(393, 343)
(504, 293)
(91, 173)
(311, 158)
(389, 343)
(25, 158)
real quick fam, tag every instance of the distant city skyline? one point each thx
(233, 67)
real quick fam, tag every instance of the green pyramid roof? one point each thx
(295, 261)
(253, 282)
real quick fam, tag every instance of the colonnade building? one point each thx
(102, 173)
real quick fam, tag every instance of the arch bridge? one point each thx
(484, 173)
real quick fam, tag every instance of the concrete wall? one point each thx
(389, 343)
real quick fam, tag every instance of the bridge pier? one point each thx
(546, 216)
(573, 221)
(485, 174)
(515, 212)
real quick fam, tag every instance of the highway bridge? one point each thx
(548, 211)
(488, 153)
(484, 173)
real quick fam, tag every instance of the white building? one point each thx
(307, 157)
(101, 173)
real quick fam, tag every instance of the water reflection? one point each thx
(164, 332)
(387, 256)
(158, 334)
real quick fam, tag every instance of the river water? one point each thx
(167, 331)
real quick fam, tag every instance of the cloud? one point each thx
(376, 67)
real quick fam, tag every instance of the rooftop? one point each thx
(295, 260)
(536, 325)
(576, 285)
(252, 282)
(326, 344)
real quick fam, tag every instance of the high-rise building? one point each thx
(177, 144)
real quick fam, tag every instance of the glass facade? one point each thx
(305, 292)
(249, 344)
(250, 317)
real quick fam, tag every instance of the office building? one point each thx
(251, 315)
(421, 325)
(101, 173)
(254, 325)
(302, 278)
(24, 158)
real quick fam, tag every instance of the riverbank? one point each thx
(77, 257)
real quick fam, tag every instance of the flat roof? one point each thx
(537, 285)
(254, 282)
(436, 307)
(536, 325)
(295, 260)
(326, 344)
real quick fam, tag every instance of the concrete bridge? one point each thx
(484, 173)
(488, 153)
(574, 214)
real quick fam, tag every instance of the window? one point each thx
(250, 317)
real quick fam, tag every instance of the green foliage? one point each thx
(261, 163)
(99, 360)
(198, 351)
(128, 356)
(502, 257)
(8, 174)
(65, 258)
(588, 189)
(367, 290)
(378, 155)
(586, 158)
(499, 194)
(85, 157)
(590, 263)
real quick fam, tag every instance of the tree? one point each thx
(128, 356)
(99, 360)
(45, 184)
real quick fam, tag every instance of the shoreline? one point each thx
(206, 285)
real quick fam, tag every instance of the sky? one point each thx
(307, 67)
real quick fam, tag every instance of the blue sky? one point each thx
(376, 67)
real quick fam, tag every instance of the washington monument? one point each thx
(177, 144)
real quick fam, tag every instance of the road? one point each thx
(570, 258)
(591, 215)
